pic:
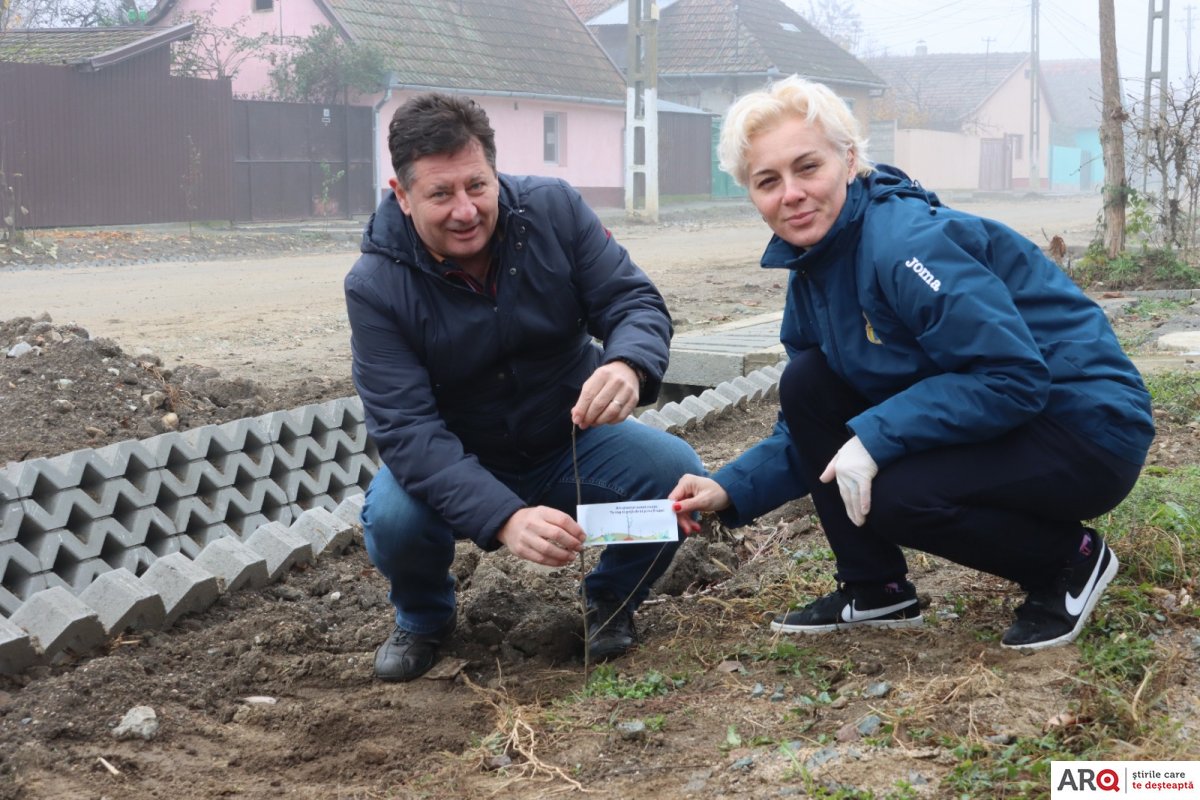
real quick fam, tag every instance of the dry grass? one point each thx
(515, 737)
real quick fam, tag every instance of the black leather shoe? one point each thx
(406, 655)
(610, 629)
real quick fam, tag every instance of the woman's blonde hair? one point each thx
(757, 111)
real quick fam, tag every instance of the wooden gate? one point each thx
(995, 165)
(683, 154)
(296, 161)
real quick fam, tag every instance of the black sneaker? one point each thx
(610, 629)
(406, 656)
(892, 605)
(1055, 616)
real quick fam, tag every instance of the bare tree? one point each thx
(67, 13)
(838, 20)
(1168, 153)
(1112, 136)
(214, 51)
(1172, 147)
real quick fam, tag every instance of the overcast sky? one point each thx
(1068, 29)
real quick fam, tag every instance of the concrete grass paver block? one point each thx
(171, 450)
(282, 548)
(654, 419)
(8, 490)
(752, 389)
(770, 387)
(701, 409)
(40, 477)
(721, 404)
(235, 564)
(184, 587)
(737, 397)
(12, 516)
(677, 415)
(326, 532)
(127, 457)
(775, 371)
(17, 649)
(122, 601)
(350, 509)
(9, 602)
(60, 621)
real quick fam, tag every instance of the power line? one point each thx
(1067, 35)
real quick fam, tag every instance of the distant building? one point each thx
(555, 99)
(961, 120)
(710, 52)
(1076, 104)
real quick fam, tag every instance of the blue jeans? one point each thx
(413, 547)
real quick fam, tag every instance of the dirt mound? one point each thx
(61, 390)
(135, 245)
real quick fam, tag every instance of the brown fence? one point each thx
(127, 144)
(131, 145)
(294, 161)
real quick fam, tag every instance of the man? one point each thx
(473, 310)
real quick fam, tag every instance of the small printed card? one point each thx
(633, 522)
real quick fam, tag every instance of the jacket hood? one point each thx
(390, 232)
(883, 183)
(888, 181)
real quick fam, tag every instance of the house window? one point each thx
(264, 5)
(552, 138)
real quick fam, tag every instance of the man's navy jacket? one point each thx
(456, 383)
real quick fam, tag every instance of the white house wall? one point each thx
(1007, 112)
(940, 160)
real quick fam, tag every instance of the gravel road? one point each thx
(277, 319)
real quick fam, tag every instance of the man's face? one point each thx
(454, 204)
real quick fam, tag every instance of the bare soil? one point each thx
(270, 693)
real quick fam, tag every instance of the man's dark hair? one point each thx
(436, 124)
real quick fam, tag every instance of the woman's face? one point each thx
(798, 180)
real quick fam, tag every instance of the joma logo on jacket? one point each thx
(923, 273)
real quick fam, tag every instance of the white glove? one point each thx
(854, 469)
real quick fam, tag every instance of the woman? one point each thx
(948, 390)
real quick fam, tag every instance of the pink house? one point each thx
(555, 98)
(962, 121)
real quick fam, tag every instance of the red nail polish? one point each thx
(679, 507)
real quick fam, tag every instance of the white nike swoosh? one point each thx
(1075, 604)
(851, 614)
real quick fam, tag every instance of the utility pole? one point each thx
(1035, 104)
(641, 109)
(1163, 15)
(1188, 39)
(1112, 134)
